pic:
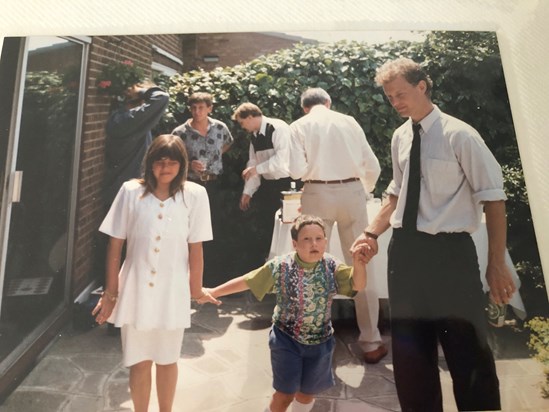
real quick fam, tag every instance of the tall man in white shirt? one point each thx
(443, 178)
(266, 173)
(331, 155)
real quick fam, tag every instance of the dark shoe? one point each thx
(376, 355)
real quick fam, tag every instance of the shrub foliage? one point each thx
(468, 82)
(539, 343)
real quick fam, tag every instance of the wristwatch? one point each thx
(371, 235)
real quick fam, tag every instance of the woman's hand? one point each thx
(103, 309)
(207, 298)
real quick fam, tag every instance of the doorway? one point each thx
(40, 127)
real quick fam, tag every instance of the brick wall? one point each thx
(231, 48)
(105, 49)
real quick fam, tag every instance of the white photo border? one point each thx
(521, 26)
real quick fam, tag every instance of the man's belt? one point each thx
(329, 182)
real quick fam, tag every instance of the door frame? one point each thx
(11, 160)
(23, 358)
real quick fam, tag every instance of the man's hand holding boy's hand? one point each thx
(370, 242)
(361, 253)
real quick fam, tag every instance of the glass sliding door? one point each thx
(39, 171)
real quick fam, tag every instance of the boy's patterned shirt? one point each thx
(209, 146)
(304, 294)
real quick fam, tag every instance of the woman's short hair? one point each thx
(303, 221)
(165, 146)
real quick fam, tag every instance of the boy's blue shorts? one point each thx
(298, 367)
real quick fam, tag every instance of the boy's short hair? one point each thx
(200, 97)
(245, 110)
(305, 220)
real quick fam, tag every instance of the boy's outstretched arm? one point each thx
(360, 258)
(228, 288)
(196, 267)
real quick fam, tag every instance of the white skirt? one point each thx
(161, 346)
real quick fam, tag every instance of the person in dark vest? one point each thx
(266, 173)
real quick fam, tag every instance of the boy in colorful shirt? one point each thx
(301, 339)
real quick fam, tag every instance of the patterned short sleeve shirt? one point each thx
(209, 146)
(304, 294)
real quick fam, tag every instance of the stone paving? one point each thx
(225, 367)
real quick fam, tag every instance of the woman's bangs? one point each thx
(170, 151)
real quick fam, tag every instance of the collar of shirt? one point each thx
(305, 265)
(451, 191)
(188, 125)
(318, 107)
(428, 120)
(263, 127)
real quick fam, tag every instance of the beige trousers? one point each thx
(345, 203)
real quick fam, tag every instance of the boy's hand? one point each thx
(197, 166)
(207, 298)
(365, 240)
(362, 253)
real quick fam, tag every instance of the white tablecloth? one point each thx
(281, 243)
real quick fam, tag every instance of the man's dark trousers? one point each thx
(436, 296)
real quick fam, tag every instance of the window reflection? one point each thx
(34, 281)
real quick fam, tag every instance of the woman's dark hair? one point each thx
(165, 146)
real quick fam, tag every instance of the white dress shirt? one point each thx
(271, 163)
(458, 173)
(327, 145)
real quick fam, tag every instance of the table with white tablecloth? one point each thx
(281, 243)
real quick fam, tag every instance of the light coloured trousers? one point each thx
(345, 203)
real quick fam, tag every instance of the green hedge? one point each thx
(468, 81)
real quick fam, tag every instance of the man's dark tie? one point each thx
(409, 220)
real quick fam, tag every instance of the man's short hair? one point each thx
(303, 221)
(405, 67)
(201, 97)
(245, 110)
(314, 96)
